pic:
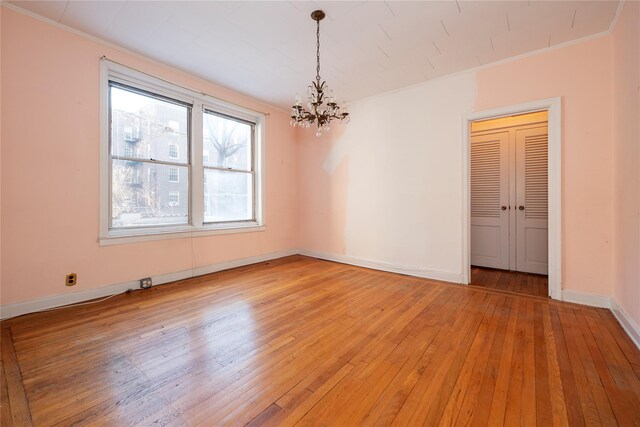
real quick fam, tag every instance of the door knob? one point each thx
(521, 207)
(504, 208)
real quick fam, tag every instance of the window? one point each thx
(130, 105)
(151, 186)
(229, 172)
(173, 151)
(174, 176)
(131, 132)
(174, 198)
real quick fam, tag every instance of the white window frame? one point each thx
(251, 171)
(108, 236)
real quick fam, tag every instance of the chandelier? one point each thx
(322, 107)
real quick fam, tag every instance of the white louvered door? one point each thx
(489, 200)
(532, 200)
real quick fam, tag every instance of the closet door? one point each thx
(490, 200)
(532, 200)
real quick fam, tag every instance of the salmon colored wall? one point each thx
(626, 160)
(1, 9)
(581, 75)
(50, 181)
(323, 195)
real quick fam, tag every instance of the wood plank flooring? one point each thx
(510, 281)
(299, 341)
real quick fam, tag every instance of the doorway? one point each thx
(509, 202)
(512, 201)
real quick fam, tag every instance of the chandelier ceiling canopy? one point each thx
(322, 107)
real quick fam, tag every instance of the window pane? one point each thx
(143, 195)
(227, 196)
(227, 142)
(145, 127)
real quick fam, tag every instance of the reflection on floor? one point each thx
(512, 281)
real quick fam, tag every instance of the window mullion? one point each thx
(197, 171)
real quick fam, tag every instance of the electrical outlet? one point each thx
(145, 283)
(72, 279)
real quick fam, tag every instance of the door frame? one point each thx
(554, 108)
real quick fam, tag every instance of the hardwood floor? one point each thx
(511, 281)
(299, 340)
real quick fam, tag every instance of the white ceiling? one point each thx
(267, 48)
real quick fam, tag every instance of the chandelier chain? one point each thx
(318, 52)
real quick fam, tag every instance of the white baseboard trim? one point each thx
(585, 298)
(17, 309)
(446, 276)
(12, 310)
(626, 322)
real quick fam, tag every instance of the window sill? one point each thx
(119, 237)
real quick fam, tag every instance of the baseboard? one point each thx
(446, 276)
(17, 309)
(585, 298)
(12, 310)
(626, 322)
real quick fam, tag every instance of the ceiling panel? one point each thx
(519, 41)
(538, 11)
(586, 19)
(91, 16)
(126, 24)
(595, 16)
(267, 49)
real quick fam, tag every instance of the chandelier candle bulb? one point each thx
(322, 108)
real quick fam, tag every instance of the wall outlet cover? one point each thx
(145, 283)
(71, 280)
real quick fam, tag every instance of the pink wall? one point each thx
(1, 10)
(50, 181)
(323, 196)
(581, 75)
(50, 152)
(626, 160)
